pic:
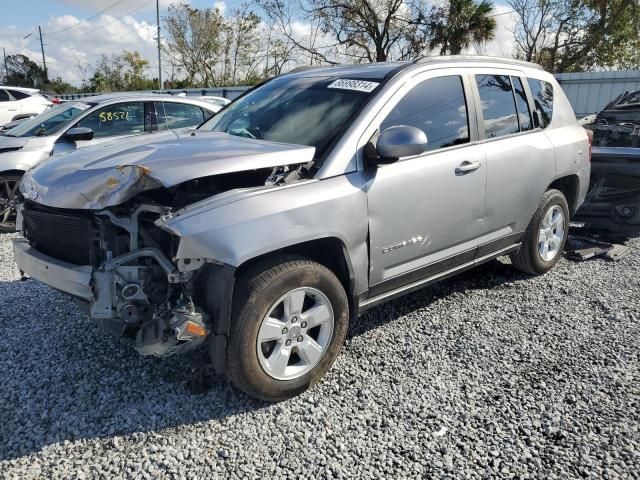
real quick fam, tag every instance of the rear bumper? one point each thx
(66, 277)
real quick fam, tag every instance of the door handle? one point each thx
(466, 167)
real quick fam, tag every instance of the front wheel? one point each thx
(546, 235)
(8, 194)
(289, 322)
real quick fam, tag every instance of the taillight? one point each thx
(590, 135)
(55, 101)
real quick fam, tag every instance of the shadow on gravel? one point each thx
(66, 380)
(486, 276)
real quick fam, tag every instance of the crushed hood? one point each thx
(111, 173)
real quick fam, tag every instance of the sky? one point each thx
(77, 32)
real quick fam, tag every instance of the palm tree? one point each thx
(464, 22)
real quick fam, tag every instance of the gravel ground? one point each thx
(490, 374)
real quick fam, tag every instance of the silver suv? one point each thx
(308, 200)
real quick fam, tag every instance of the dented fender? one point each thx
(238, 226)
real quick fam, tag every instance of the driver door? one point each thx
(110, 122)
(426, 211)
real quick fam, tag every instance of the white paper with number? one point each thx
(357, 85)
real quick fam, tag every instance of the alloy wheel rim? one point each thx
(8, 190)
(551, 233)
(295, 334)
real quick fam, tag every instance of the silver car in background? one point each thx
(313, 197)
(89, 121)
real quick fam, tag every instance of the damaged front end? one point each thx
(120, 270)
(96, 233)
(612, 204)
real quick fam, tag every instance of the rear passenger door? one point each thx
(174, 115)
(520, 158)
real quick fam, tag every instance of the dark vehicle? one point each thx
(613, 202)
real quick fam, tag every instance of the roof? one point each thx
(368, 71)
(22, 89)
(446, 59)
(109, 97)
(382, 70)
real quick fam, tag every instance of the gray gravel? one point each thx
(490, 374)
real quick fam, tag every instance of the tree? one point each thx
(571, 35)
(120, 72)
(356, 30)
(194, 39)
(23, 72)
(461, 23)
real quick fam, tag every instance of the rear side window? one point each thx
(498, 105)
(18, 95)
(4, 96)
(543, 100)
(178, 115)
(437, 107)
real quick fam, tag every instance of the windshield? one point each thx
(303, 111)
(50, 121)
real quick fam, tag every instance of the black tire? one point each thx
(258, 288)
(8, 189)
(528, 259)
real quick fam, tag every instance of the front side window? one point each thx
(178, 115)
(50, 121)
(310, 111)
(543, 99)
(498, 105)
(115, 120)
(437, 107)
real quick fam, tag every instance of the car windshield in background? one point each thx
(303, 111)
(50, 121)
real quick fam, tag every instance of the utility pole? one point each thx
(44, 62)
(159, 59)
(6, 70)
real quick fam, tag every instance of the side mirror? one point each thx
(78, 134)
(398, 142)
(537, 117)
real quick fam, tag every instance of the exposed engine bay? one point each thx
(139, 289)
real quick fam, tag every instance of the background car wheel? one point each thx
(290, 319)
(8, 190)
(545, 237)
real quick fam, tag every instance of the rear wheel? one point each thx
(290, 320)
(8, 194)
(545, 237)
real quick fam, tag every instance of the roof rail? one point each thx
(312, 67)
(474, 58)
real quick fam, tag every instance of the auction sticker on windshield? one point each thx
(357, 85)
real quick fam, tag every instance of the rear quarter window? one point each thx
(543, 100)
(18, 95)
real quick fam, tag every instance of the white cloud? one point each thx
(220, 6)
(83, 44)
(502, 44)
(122, 7)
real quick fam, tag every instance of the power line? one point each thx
(106, 24)
(86, 19)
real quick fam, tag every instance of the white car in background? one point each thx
(218, 102)
(20, 102)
